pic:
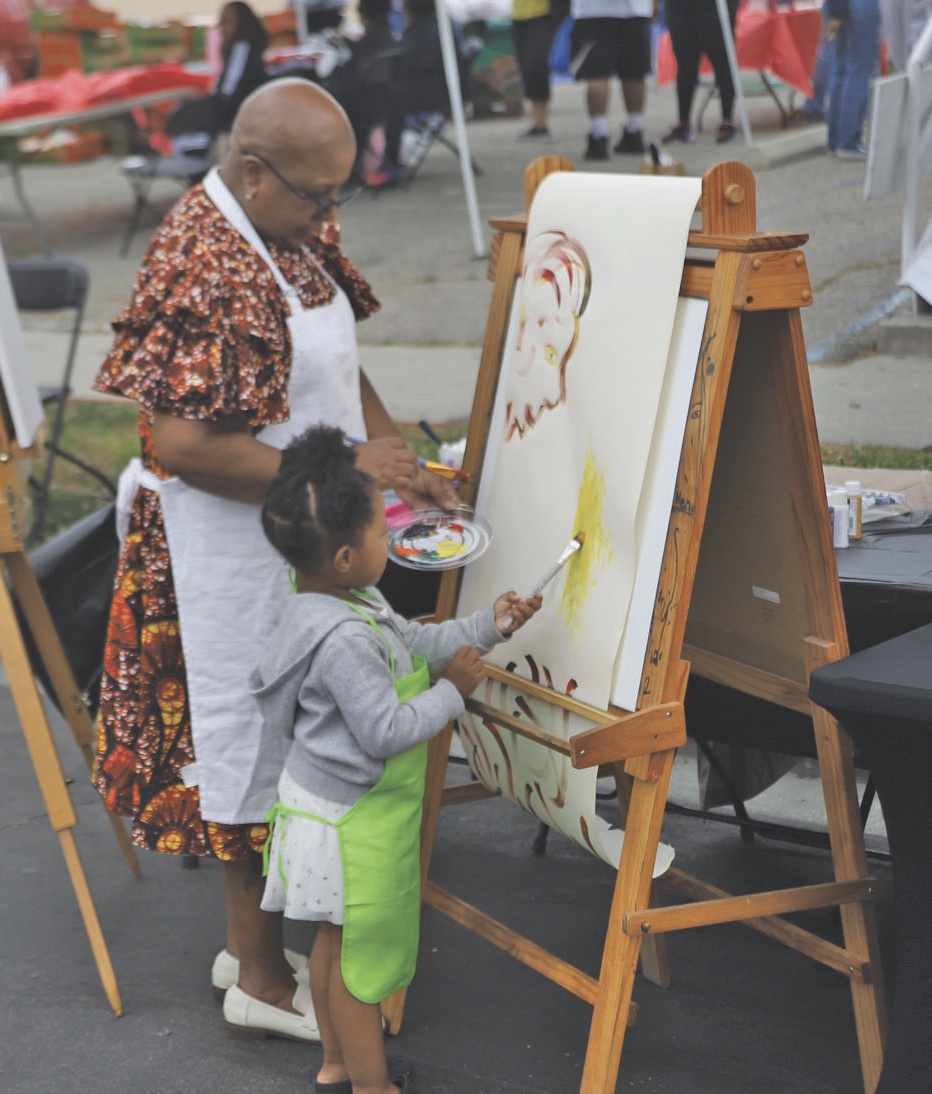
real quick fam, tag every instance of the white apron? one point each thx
(230, 584)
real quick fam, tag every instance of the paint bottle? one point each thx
(838, 510)
(855, 508)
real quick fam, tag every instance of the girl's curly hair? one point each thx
(319, 501)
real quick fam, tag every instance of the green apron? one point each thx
(380, 848)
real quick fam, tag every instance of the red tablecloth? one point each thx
(75, 90)
(782, 42)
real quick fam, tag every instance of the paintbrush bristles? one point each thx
(580, 538)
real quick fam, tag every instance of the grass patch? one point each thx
(103, 434)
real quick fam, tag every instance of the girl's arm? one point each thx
(359, 681)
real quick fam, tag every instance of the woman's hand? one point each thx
(428, 491)
(512, 611)
(389, 461)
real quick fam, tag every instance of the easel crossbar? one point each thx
(528, 953)
(615, 735)
(795, 938)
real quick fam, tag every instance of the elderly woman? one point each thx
(239, 335)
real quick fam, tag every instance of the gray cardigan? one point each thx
(324, 687)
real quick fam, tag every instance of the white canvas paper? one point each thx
(576, 413)
(22, 394)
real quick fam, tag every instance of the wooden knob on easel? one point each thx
(734, 193)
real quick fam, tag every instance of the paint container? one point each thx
(838, 512)
(452, 453)
(855, 508)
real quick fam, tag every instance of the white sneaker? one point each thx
(247, 1017)
(225, 971)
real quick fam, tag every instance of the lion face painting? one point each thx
(554, 294)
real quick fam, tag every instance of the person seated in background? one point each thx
(365, 85)
(197, 124)
(420, 83)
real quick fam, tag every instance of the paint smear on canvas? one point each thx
(595, 554)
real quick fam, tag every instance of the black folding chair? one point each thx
(47, 285)
(143, 171)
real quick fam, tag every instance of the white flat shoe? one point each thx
(225, 971)
(247, 1017)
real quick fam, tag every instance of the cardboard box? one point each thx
(677, 167)
(63, 146)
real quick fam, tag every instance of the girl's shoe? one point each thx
(343, 1086)
(726, 132)
(679, 133)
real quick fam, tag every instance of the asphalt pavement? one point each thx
(742, 1013)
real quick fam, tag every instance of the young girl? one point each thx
(348, 682)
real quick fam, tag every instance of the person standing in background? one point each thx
(198, 124)
(612, 38)
(695, 30)
(534, 24)
(854, 26)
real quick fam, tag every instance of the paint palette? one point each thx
(434, 539)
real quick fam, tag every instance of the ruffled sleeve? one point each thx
(205, 334)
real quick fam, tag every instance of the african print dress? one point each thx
(205, 337)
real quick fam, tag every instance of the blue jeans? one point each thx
(815, 107)
(857, 46)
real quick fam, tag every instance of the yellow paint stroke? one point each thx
(595, 553)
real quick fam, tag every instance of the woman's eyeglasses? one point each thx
(323, 204)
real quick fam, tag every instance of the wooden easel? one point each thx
(748, 597)
(32, 716)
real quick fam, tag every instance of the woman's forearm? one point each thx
(222, 458)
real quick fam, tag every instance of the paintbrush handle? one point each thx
(547, 578)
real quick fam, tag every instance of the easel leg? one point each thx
(632, 892)
(47, 766)
(69, 698)
(858, 920)
(655, 964)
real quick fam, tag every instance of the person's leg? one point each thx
(255, 936)
(333, 1068)
(358, 1029)
(713, 43)
(815, 108)
(597, 92)
(533, 41)
(680, 19)
(632, 63)
(858, 49)
(592, 65)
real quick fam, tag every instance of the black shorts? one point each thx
(604, 47)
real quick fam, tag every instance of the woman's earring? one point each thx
(250, 194)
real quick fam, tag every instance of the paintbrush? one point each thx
(571, 548)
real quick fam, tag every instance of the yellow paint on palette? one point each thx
(594, 554)
(447, 548)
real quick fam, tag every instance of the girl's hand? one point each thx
(389, 461)
(465, 670)
(513, 611)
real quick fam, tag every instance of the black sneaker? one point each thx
(538, 133)
(597, 148)
(631, 143)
